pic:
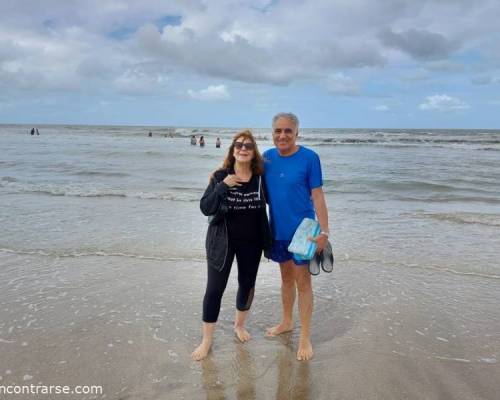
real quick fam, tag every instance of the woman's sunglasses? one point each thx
(240, 145)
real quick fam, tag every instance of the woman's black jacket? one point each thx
(213, 204)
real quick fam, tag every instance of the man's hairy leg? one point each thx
(288, 289)
(304, 287)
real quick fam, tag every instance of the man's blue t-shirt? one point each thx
(289, 182)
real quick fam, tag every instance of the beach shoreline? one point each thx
(130, 326)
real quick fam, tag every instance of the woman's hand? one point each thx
(231, 181)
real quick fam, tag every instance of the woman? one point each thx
(235, 203)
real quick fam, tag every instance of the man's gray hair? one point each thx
(292, 117)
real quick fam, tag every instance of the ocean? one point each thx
(403, 198)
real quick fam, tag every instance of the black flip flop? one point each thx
(327, 258)
(314, 264)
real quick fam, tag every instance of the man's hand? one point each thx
(320, 241)
(319, 202)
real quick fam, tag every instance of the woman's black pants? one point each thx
(248, 258)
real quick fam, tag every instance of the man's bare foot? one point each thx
(202, 350)
(279, 329)
(242, 334)
(305, 351)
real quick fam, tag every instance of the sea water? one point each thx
(403, 198)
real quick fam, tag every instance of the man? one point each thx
(294, 184)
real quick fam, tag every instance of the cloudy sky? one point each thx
(336, 63)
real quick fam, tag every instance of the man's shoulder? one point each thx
(308, 152)
(269, 153)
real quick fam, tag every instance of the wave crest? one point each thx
(175, 194)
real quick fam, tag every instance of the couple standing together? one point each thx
(288, 178)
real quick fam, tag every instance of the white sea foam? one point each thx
(488, 360)
(461, 360)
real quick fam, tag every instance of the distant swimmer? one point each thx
(202, 141)
(38, 133)
(193, 140)
(32, 131)
(150, 134)
(217, 143)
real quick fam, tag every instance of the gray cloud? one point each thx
(418, 75)
(79, 44)
(10, 50)
(340, 84)
(247, 57)
(94, 68)
(420, 44)
(485, 80)
(444, 66)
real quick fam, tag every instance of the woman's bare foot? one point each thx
(202, 350)
(242, 334)
(279, 329)
(305, 351)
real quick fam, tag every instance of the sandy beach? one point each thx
(130, 324)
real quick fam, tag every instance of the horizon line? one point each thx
(233, 127)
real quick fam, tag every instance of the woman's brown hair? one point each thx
(257, 163)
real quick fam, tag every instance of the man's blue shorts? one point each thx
(280, 253)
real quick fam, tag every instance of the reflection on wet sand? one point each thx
(214, 388)
(243, 369)
(292, 379)
(293, 376)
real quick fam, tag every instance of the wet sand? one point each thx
(130, 325)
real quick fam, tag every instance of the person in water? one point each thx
(202, 141)
(217, 143)
(236, 205)
(193, 139)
